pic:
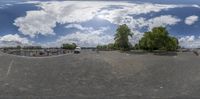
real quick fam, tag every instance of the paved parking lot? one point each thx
(106, 75)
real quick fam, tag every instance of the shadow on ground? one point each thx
(159, 53)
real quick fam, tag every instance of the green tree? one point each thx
(18, 47)
(121, 37)
(136, 47)
(69, 46)
(158, 39)
(173, 44)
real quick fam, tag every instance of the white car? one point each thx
(77, 50)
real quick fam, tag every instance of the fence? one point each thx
(37, 52)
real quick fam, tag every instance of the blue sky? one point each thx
(89, 23)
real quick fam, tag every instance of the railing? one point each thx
(36, 52)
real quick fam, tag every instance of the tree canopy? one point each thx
(69, 46)
(122, 37)
(158, 39)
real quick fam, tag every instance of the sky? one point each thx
(50, 23)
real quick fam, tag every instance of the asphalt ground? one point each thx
(103, 75)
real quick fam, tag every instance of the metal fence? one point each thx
(37, 52)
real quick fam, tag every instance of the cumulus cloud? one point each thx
(189, 41)
(13, 39)
(89, 37)
(43, 21)
(119, 16)
(36, 22)
(191, 19)
(163, 20)
(79, 27)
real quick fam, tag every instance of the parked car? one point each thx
(77, 50)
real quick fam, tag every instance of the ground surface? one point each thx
(107, 75)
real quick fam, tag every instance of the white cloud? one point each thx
(187, 39)
(89, 37)
(43, 21)
(195, 5)
(36, 22)
(86, 39)
(13, 39)
(163, 20)
(191, 19)
(189, 42)
(117, 16)
(79, 27)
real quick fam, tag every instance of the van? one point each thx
(77, 50)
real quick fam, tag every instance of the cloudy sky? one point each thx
(51, 23)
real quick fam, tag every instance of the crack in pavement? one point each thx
(9, 68)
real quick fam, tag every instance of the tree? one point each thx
(121, 37)
(18, 47)
(158, 39)
(136, 47)
(69, 46)
(173, 44)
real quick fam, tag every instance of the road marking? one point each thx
(9, 68)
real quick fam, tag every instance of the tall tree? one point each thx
(122, 37)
